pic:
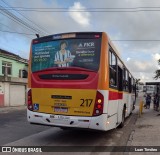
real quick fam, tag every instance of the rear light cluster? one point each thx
(30, 105)
(98, 107)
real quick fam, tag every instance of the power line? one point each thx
(111, 40)
(91, 11)
(26, 18)
(16, 32)
(20, 21)
(136, 9)
(15, 18)
(5, 26)
(153, 7)
(15, 21)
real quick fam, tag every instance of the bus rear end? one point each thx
(63, 81)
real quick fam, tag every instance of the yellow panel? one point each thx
(77, 102)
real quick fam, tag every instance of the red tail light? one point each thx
(30, 105)
(98, 107)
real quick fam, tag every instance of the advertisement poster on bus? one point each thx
(83, 53)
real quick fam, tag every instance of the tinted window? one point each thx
(113, 69)
(125, 79)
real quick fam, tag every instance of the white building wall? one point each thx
(6, 94)
(14, 92)
(17, 95)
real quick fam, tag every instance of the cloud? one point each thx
(140, 66)
(139, 56)
(52, 22)
(156, 56)
(143, 69)
(128, 59)
(83, 18)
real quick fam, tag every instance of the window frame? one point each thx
(125, 79)
(111, 68)
(8, 65)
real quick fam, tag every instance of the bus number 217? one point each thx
(86, 102)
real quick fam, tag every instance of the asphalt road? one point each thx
(14, 126)
(16, 131)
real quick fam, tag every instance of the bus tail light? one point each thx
(30, 105)
(98, 107)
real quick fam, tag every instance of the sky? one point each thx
(133, 27)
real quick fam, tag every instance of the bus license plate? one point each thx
(64, 110)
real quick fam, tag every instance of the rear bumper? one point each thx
(97, 123)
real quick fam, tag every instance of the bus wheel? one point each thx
(133, 105)
(123, 119)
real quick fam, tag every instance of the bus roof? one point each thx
(68, 35)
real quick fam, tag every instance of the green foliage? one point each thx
(137, 81)
(157, 72)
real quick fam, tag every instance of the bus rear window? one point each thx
(84, 53)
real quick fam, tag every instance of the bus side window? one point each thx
(124, 84)
(132, 89)
(125, 79)
(129, 85)
(112, 69)
(120, 79)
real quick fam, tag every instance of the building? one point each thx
(13, 79)
(156, 86)
(149, 88)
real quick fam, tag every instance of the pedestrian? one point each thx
(148, 101)
(156, 102)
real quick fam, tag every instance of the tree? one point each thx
(157, 72)
(137, 81)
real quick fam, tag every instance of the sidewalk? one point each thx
(8, 109)
(147, 131)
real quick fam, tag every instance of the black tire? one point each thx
(133, 105)
(123, 119)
